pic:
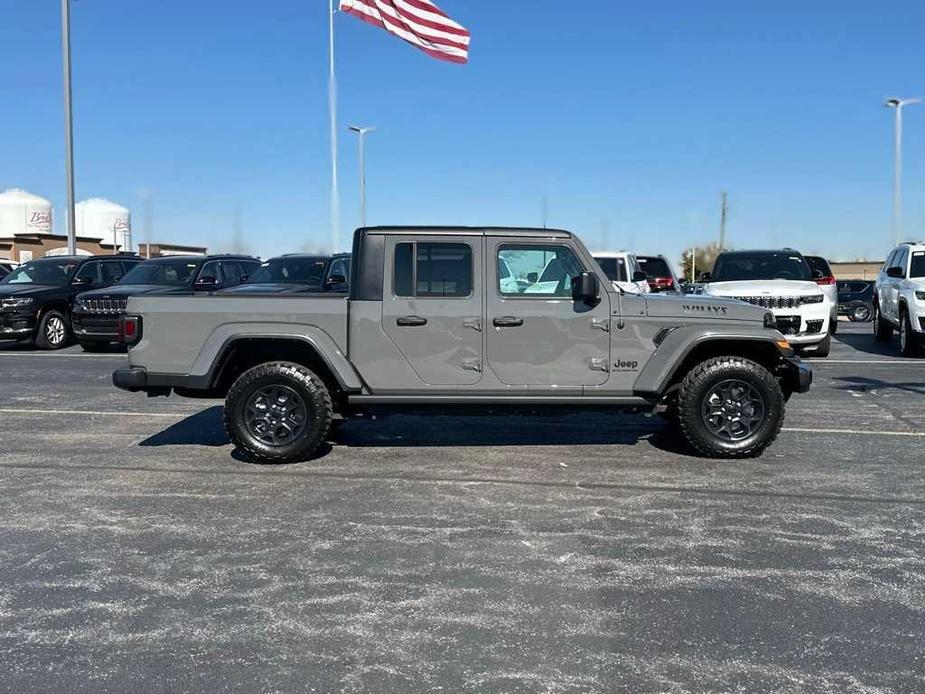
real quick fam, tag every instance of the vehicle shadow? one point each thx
(863, 342)
(206, 428)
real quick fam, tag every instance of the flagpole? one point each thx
(332, 112)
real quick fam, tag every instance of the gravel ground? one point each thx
(586, 553)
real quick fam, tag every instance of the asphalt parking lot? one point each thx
(573, 554)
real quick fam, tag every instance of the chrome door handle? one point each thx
(410, 321)
(508, 322)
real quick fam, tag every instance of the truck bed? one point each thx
(183, 334)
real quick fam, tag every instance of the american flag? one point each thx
(419, 22)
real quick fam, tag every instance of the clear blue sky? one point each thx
(631, 116)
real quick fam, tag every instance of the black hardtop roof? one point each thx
(468, 231)
(214, 256)
(763, 250)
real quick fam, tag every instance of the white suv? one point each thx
(899, 298)
(624, 271)
(783, 282)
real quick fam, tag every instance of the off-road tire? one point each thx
(909, 344)
(93, 345)
(883, 331)
(696, 387)
(52, 323)
(314, 394)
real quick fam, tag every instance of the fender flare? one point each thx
(211, 357)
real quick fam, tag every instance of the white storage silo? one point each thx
(106, 221)
(23, 213)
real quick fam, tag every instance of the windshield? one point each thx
(163, 273)
(732, 267)
(295, 270)
(654, 267)
(54, 272)
(614, 268)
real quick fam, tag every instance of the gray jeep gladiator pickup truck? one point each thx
(465, 320)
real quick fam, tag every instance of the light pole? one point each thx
(68, 126)
(898, 105)
(361, 133)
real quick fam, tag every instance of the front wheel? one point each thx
(52, 332)
(279, 412)
(730, 407)
(833, 323)
(823, 349)
(883, 331)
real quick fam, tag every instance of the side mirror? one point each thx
(896, 272)
(818, 275)
(243, 279)
(206, 283)
(704, 276)
(585, 288)
(334, 279)
(532, 277)
(82, 281)
(640, 276)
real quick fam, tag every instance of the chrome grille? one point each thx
(771, 301)
(117, 305)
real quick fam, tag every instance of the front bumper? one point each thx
(98, 326)
(15, 325)
(805, 325)
(799, 375)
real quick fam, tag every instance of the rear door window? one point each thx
(428, 269)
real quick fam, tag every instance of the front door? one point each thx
(536, 335)
(432, 306)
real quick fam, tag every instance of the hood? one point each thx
(271, 288)
(703, 307)
(122, 290)
(28, 289)
(762, 288)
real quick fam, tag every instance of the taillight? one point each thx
(825, 281)
(129, 330)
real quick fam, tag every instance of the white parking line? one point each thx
(854, 432)
(175, 415)
(12, 410)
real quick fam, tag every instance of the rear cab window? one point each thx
(432, 269)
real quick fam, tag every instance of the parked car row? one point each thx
(50, 301)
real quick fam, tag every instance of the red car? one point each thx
(660, 276)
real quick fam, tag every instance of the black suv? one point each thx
(36, 299)
(298, 273)
(856, 300)
(96, 313)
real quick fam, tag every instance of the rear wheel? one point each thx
(730, 407)
(278, 412)
(52, 332)
(908, 340)
(883, 331)
(860, 313)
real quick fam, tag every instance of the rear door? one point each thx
(535, 334)
(432, 306)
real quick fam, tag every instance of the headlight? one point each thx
(16, 303)
(817, 299)
(920, 296)
(769, 320)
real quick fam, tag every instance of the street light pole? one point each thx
(361, 133)
(898, 104)
(68, 126)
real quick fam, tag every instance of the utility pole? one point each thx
(898, 105)
(146, 211)
(722, 223)
(68, 126)
(693, 263)
(361, 145)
